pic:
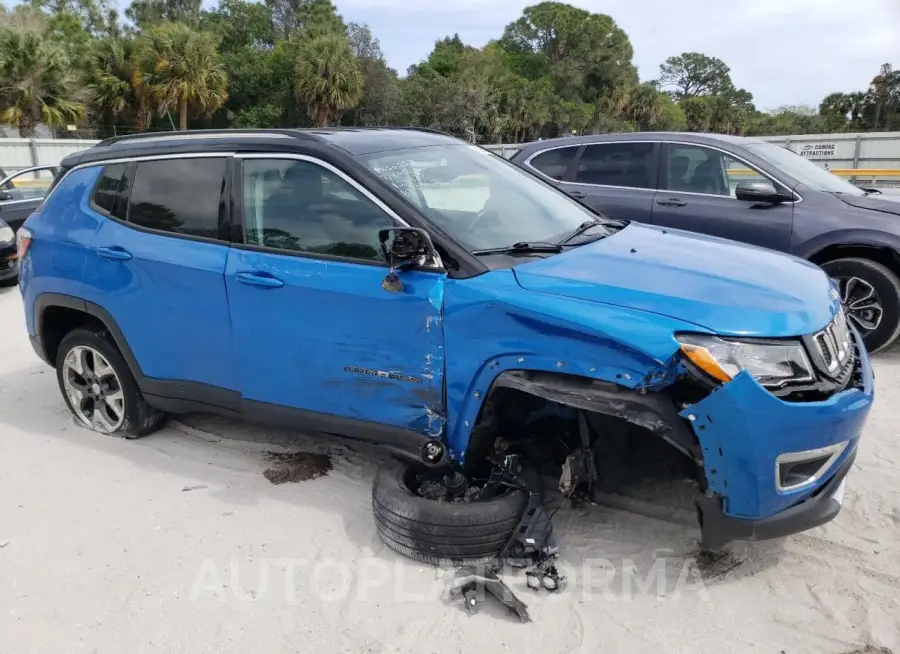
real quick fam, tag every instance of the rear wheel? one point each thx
(870, 293)
(100, 389)
(414, 519)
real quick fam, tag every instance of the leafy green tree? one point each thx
(584, 54)
(182, 69)
(112, 84)
(36, 83)
(327, 77)
(147, 13)
(693, 74)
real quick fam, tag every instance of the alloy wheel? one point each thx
(861, 302)
(94, 389)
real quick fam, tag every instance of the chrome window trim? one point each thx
(149, 157)
(832, 451)
(753, 167)
(527, 161)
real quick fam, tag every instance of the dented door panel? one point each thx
(332, 341)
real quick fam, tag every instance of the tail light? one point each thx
(23, 242)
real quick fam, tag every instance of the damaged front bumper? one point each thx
(746, 434)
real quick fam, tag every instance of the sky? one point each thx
(783, 51)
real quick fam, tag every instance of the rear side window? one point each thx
(554, 163)
(106, 192)
(180, 196)
(617, 164)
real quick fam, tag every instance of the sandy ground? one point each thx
(179, 543)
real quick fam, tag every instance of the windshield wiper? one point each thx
(524, 247)
(582, 228)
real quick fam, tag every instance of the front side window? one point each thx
(180, 196)
(803, 170)
(554, 163)
(304, 207)
(482, 200)
(28, 185)
(617, 164)
(696, 169)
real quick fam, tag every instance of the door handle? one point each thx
(114, 252)
(578, 195)
(259, 279)
(672, 202)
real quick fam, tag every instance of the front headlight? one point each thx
(7, 235)
(772, 363)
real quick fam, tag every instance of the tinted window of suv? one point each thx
(554, 163)
(301, 206)
(108, 187)
(617, 164)
(182, 196)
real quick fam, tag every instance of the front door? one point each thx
(314, 330)
(22, 192)
(696, 193)
(617, 179)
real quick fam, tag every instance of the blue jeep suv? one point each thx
(406, 288)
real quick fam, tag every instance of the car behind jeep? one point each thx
(405, 288)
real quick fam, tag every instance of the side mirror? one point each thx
(760, 192)
(5, 196)
(404, 247)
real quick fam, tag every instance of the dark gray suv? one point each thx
(746, 190)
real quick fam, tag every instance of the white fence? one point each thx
(862, 156)
(16, 154)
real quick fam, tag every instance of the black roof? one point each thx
(684, 137)
(352, 140)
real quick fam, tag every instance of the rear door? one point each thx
(696, 193)
(157, 265)
(617, 179)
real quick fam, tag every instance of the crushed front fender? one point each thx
(742, 429)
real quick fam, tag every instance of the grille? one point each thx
(833, 344)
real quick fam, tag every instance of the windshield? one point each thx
(479, 198)
(803, 170)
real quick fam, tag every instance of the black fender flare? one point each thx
(651, 410)
(45, 301)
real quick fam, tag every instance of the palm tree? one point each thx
(180, 68)
(327, 78)
(111, 81)
(36, 85)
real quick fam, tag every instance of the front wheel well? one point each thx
(57, 321)
(880, 254)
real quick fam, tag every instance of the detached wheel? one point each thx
(100, 389)
(441, 531)
(870, 293)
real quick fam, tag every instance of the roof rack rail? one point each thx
(201, 132)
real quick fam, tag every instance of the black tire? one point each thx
(441, 533)
(887, 288)
(140, 418)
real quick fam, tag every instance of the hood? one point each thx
(884, 203)
(726, 287)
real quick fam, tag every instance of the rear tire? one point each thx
(886, 288)
(104, 397)
(441, 533)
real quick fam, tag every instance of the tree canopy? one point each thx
(555, 69)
